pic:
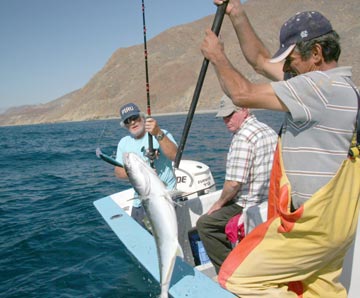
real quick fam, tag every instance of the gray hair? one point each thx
(330, 44)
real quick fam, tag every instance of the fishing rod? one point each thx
(107, 158)
(151, 152)
(103, 156)
(219, 16)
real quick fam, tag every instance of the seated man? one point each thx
(248, 167)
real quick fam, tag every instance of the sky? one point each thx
(49, 48)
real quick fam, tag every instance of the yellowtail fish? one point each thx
(160, 211)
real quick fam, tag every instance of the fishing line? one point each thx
(109, 159)
(101, 136)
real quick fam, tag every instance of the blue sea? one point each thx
(53, 242)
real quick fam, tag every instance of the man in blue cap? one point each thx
(164, 144)
(314, 186)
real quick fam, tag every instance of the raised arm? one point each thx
(168, 147)
(242, 92)
(254, 50)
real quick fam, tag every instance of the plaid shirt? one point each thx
(250, 159)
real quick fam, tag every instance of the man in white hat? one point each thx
(248, 166)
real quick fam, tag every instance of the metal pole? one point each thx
(219, 16)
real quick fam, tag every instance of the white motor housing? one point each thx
(194, 178)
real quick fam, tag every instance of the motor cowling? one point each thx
(194, 178)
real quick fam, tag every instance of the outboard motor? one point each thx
(194, 178)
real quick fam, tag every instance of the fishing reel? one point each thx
(150, 154)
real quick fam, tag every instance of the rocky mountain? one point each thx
(175, 61)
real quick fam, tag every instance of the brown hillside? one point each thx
(175, 61)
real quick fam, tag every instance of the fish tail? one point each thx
(164, 291)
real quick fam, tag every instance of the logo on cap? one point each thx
(127, 110)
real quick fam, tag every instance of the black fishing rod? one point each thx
(151, 152)
(219, 16)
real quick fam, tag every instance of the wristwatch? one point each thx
(159, 136)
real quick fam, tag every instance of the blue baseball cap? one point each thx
(128, 110)
(303, 26)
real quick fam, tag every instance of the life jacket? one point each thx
(315, 237)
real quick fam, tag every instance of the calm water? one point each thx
(53, 242)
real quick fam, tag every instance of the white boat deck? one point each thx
(188, 281)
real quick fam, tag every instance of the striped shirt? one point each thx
(318, 129)
(249, 161)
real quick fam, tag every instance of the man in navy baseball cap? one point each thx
(128, 110)
(320, 105)
(303, 26)
(140, 129)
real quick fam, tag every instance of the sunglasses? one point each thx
(131, 119)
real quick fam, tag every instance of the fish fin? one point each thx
(175, 193)
(176, 203)
(139, 197)
(164, 293)
(179, 251)
(176, 197)
(170, 199)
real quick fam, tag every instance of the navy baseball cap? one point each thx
(301, 27)
(128, 110)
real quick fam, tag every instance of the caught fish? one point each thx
(159, 208)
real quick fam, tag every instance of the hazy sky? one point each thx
(51, 47)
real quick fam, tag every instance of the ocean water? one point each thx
(53, 242)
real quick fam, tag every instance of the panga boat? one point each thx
(193, 275)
